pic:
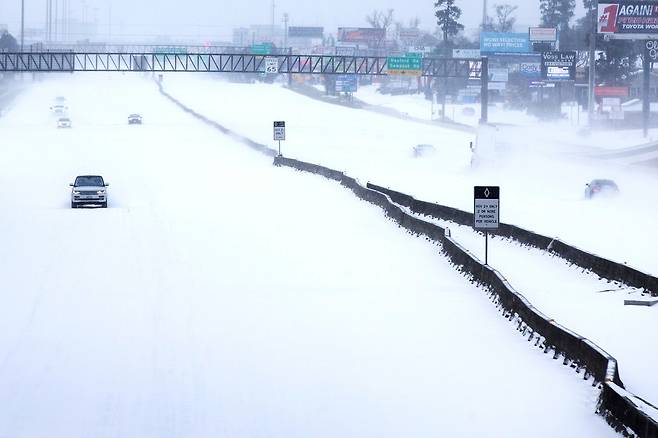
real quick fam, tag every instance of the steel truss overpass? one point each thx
(228, 63)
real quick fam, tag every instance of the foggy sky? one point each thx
(214, 19)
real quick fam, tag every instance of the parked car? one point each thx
(89, 190)
(600, 187)
(423, 150)
(134, 119)
(59, 108)
(63, 122)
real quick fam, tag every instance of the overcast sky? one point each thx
(214, 19)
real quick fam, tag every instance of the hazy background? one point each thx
(215, 19)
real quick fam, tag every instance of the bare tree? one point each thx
(504, 17)
(380, 19)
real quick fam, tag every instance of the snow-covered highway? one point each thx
(220, 296)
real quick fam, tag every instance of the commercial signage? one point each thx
(602, 91)
(346, 83)
(365, 35)
(504, 43)
(487, 208)
(558, 66)
(405, 65)
(543, 34)
(345, 50)
(411, 34)
(498, 74)
(279, 131)
(628, 17)
(305, 32)
(466, 53)
(530, 70)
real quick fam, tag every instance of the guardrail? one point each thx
(619, 407)
(603, 267)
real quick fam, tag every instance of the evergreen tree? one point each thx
(8, 42)
(557, 13)
(447, 16)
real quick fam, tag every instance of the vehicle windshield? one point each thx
(83, 181)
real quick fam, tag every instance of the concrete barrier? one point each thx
(620, 408)
(603, 267)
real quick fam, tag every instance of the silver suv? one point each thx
(89, 190)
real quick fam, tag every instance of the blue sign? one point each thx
(346, 84)
(502, 43)
(530, 70)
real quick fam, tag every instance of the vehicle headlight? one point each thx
(100, 192)
(76, 193)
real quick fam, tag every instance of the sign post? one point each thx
(486, 213)
(279, 133)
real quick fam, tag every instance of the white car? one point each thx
(89, 190)
(63, 122)
(134, 119)
(59, 108)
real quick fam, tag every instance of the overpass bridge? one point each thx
(431, 67)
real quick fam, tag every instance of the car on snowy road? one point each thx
(63, 122)
(600, 187)
(134, 119)
(89, 190)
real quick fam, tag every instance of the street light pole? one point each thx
(592, 62)
(22, 24)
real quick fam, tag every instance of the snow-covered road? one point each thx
(542, 180)
(219, 296)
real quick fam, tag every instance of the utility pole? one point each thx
(484, 13)
(22, 24)
(285, 30)
(592, 61)
(273, 18)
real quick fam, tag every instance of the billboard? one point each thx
(498, 74)
(305, 32)
(466, 53)
(543, 34)
(504, 43)
(558, 66)
(628, 17)
(530, 70)
(365, 35)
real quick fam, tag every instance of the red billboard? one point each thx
(628, 17)
(365, 35)
(602, 91)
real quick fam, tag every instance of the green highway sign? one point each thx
(261, 49)
(405, 65)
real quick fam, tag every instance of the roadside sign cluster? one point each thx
(346, 83)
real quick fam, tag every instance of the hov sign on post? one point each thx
(486, 213)
(487, 208)
(279, 133)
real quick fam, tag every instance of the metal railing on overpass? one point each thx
(230, 63)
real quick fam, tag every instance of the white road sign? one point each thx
(271, 65)
(279, 131)
(487, 208)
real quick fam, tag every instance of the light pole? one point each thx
(22, 24)
(592, 62)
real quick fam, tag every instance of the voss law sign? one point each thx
(627, 18)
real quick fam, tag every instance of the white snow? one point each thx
(577, 300)
(219, 296)
(542, 180)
